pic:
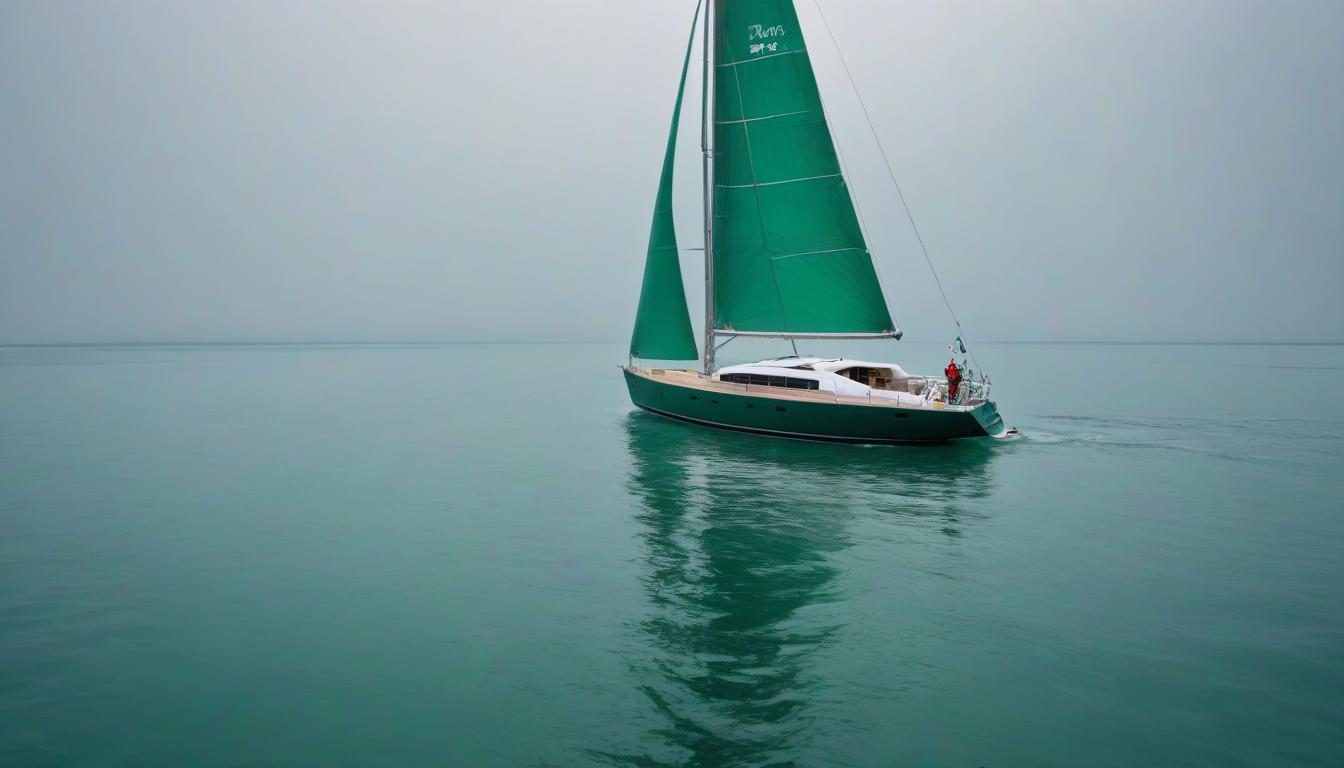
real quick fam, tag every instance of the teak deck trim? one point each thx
(693, 380)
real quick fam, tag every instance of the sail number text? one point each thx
(762, 32)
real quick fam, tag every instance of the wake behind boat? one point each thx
(786, 257)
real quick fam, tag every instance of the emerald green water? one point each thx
(481, 555)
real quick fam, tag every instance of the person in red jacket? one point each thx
(953, 380)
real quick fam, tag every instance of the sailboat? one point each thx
(785, 257)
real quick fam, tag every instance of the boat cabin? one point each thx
(853, 378)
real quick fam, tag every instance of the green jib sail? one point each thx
(789, 255)
(663, 324)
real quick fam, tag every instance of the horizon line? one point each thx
(442, 343)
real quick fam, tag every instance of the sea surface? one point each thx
(483, 555)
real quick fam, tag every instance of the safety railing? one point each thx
(968, 392)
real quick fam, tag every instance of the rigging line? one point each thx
(892, 174)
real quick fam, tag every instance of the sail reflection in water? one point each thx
(744, 539)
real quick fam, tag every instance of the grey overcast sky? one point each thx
(264, 171)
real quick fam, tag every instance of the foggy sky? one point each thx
(261, 171)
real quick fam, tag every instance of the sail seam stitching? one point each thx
(759, 58)
(755, 185)
(815, 253)
(774, 183)
(767, 117)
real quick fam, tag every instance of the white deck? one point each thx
(887, 384)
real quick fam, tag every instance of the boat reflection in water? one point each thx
(741, 537)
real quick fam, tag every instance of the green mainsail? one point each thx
(789, 255)
(662, 323)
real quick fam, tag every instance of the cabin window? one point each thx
(761, 380)
(877, 378)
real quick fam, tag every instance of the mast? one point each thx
(705, 119)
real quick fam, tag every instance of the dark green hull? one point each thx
(810, 419)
